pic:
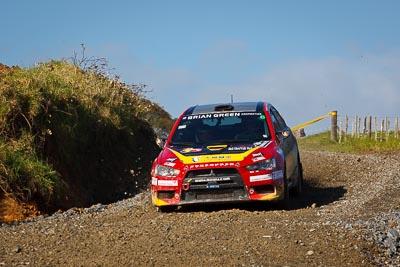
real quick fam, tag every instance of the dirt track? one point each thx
(328, 226)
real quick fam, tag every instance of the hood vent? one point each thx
(216, 147)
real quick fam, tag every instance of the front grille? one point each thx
(214, 194)
(219, 194)
(213, 184)
(213, 178)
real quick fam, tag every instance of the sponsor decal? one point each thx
(239, 148)
(153, 181)
(213, 186)
(263, 177)
(198, 116)
(168, 182)
(259, 154)
(190, 149)
(220, 115)
(262, 143)
(182, 126)
(211, 179)
(217, 158)
(216, 164)
(277, 175)
(226, 114)
(250, 113)
(169, 164)
(196, 159)
(258, 159)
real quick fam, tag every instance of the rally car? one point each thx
(231, 152)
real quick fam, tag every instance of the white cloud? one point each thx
(301, 89)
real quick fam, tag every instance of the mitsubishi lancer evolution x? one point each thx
(233, 152)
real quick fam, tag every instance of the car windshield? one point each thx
(221, 128)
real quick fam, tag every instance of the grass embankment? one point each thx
(322, 141)
(73, 137)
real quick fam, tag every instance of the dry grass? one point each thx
(322, 141)
(64, 128)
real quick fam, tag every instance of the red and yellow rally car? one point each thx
(227, 153)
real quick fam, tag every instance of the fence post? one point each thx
(387, 129)
(369, 127)
(365, 128)
(356, 130)
(334, 125)
(340, 129)
(347, 127)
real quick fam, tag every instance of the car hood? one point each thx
(173, 156)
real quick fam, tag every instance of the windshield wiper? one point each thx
(250, 141)
(242, 141)
(182, 144)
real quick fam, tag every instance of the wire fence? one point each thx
(367, 127)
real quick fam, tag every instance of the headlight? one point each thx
(264, 165)
(166, 171)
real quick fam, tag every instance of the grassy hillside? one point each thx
(74, 137)
(322, 141)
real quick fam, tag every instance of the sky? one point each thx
(306, 57)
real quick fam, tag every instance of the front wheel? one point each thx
(284, 203)
(298, 189)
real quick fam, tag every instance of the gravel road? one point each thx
(348, 216)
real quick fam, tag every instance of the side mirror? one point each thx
(161, 141)
(286, 133)
(283, 134)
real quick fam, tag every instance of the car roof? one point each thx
(224, 107)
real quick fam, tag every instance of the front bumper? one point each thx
(227, 186)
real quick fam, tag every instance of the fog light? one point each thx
(251, 190)
(186, 186)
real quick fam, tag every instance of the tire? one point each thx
(298, 189)
(284, 203)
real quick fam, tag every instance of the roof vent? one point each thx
(223, 107)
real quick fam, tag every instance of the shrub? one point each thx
(23, 175)
(59, 122)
